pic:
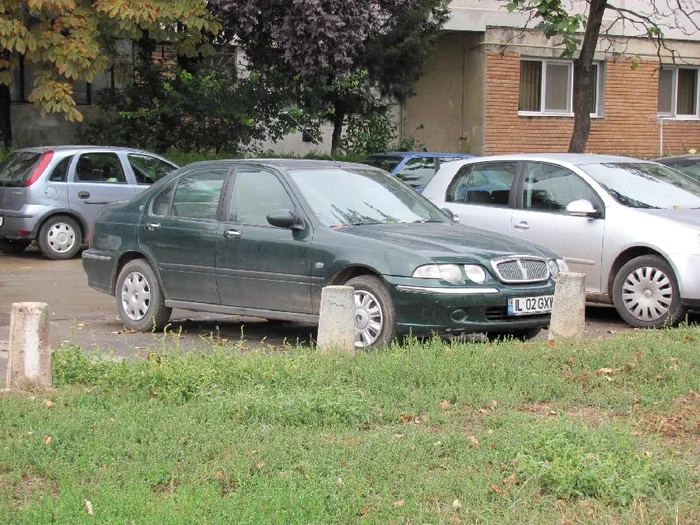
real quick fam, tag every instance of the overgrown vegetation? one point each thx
(433, 432)
(205, 107)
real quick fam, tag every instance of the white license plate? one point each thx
(530, 305)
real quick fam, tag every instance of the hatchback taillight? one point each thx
(45, 159)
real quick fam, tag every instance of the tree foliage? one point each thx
(341, 57)
(201, 108)
(651, 21)
(71, 40)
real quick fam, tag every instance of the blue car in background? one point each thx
(415, 168)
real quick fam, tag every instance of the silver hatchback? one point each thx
(631, 226)
(52, 194)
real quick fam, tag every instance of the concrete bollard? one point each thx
(569, 308)
(30, 355)
(336, 323)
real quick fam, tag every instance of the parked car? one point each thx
(415, 168)
(52, 194)
(262, 238)
(688, 164)
(631, 226)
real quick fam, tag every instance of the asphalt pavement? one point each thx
(85, 317)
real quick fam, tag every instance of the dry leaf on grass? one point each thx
(88, 507)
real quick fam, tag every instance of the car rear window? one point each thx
(385, 163)
(16, 169)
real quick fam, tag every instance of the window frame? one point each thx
(673, 114)
(599, 89)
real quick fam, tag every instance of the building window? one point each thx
(678, 92)
(598, 88)
(547, 86)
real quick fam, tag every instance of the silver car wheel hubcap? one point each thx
(136, 296)
(61, 237)
(369, 319)
(647, 293)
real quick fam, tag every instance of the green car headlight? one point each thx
(447, 272)
(475, 273)
(556, 266)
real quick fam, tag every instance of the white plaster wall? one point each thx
(475, 15)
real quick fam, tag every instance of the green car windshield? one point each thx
(345, 197)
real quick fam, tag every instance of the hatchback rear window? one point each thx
(17, 168)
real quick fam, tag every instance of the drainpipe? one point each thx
(661, 136)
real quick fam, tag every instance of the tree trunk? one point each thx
(338, 119)
(5, 116)
(582, 77)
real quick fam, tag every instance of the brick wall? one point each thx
(630, 125)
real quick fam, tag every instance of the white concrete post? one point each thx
(30, 355)
(569, 308)
(336, 323)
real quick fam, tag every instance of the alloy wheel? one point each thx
(369, 319)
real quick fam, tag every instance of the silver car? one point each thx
(631, 226)
(52, 194)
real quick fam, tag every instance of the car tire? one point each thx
(13, 245)
(60, 238)
(521, 335)
(646, 293)
(375, 317)
(140, 300)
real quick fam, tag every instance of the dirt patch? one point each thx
(30, 488)
(682, 418)
(593, 416)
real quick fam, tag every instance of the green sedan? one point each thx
(262, 237)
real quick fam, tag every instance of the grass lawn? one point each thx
(600, 431)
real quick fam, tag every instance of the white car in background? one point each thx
(631, 226)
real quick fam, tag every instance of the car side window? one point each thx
(255, 194)
(487, 184)
(60, 172)
(551, 188)
(100, 167)
(148, 169)
(196, 195)
(417, 171)
(161, 204)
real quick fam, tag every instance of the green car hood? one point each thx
(443, 241)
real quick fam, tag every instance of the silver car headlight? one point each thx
(447, 272)
(475, 273)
